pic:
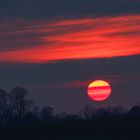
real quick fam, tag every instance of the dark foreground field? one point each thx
(124, 127)
(109, 136)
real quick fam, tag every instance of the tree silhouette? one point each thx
(88, 112)
(47, 114)
(3, 105)
(18, 102)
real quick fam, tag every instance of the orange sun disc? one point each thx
(99, 90)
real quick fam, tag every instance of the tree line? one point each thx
(17, 105)
(20, 115)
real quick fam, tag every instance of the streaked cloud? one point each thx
(66, 39)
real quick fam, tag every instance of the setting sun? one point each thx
(99, 90)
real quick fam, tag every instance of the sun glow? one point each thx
(99, 90)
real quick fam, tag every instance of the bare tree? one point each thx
(18, 102)
(3, 105)
(47, 114)
(88, 111)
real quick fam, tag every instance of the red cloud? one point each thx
(75, 39)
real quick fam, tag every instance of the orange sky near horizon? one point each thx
(66, 39)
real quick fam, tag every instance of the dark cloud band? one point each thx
(67, 8)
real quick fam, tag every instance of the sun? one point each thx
(99, 90)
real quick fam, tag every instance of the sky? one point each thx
(55, 48)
